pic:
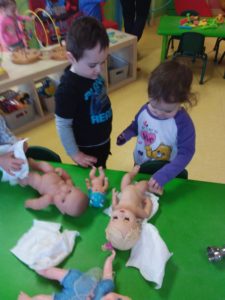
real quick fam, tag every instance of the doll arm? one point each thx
(145, 211)
(63, 174)
(115, 200)
(108, 269)
(88, 185)
(106, 184)
(39, 203)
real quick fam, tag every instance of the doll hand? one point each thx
(121, 139)
(154, 187)
(84, 160)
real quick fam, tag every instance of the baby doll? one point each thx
(11, 34)
(97, 187)
(75, 282)
(128, 210)
(55, 187)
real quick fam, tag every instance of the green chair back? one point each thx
(42, 153)
(151, 166)
(192, 45)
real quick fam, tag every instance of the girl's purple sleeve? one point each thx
(185, 149)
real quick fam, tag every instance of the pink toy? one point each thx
(55, 187)
(128, 210)
(73, 281)
(97, 187)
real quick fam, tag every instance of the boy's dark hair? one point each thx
(171, 82)
(84, 34)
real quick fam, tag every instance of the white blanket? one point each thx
(44, 246)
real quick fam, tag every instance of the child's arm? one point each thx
(65, 131)
(128, 133)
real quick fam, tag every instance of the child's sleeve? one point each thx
(185, 150)
(6, 136)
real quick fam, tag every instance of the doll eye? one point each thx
(115, 218)
(63, 200)
(127, 219)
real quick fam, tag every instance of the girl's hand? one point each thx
(10, 164)
(154, 187)
(84, 160)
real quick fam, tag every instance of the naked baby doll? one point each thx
(128, 210)
(55, 187)
(77, 285)
(97, 187)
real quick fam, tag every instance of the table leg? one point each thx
(164, 46)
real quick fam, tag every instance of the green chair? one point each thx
(192, 45)
(42, 153)
(151, 166)
(177, 37)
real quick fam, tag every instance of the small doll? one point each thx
(128, 210)
(55, 187)
(97, 187)
(77, 285)
(12, 36)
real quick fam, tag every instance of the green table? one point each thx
(190, 218)
(169, 25)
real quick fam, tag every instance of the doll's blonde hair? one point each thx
(121, 241)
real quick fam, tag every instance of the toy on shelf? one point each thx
(11, 101)
(97, 187)
(3, 72)
(25, 56)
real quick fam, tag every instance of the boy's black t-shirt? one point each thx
(87, 103)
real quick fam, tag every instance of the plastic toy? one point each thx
(128, 211)
(97, 187)
(215, 253)
(78, 285)
(56, 188)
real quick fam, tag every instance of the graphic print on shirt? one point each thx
(153, 141)
(99, 102)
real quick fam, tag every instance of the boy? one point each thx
(83, 109)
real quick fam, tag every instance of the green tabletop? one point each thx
(169, 25)
(190, 218)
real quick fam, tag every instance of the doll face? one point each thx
(124, 220)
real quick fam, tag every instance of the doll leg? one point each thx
(23, 296)
(128, 177)
(92, 172)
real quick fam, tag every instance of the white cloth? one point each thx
(18, 151)
(150, 254)
(44, 246)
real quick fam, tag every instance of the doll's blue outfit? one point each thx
(97, 199)
(73, 291)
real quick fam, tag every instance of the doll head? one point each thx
(123, 230)
(73, 203)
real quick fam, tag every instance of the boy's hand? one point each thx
(154, 187)
(120, 140)
(84, 160)
(10, 164)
